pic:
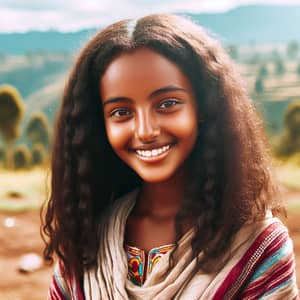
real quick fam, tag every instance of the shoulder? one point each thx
(266, 266)
(64, 287)
(272, 270)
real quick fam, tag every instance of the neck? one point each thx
(162, 199)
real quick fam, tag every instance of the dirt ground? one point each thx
(24, 237)
(16, 241)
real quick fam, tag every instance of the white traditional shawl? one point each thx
(110, 281)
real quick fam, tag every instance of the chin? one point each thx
(155, 178)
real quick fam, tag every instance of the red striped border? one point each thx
(55, 291)
(266, 284)
(237, 270)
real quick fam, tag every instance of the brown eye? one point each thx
(120, 112)
(169, 103)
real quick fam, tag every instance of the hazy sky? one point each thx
(23, 15)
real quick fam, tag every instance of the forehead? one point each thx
(142, 70)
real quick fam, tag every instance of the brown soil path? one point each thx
(24, 237)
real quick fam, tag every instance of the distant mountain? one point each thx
(246, 24)
(243, 25)
(254, 24)
(21, 43)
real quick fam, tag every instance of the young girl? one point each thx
(160, 181)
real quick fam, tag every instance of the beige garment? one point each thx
(109, 281)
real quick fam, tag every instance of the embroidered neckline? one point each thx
(136, 258)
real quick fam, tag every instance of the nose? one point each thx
(147, 127)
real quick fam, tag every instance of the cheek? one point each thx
(118, 135)
(185, 126)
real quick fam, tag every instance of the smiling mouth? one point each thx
(153, 154)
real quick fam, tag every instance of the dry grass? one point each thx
(23, 190)
(26, 190)
(288, 172)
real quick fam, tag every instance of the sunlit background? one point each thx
(39, 41)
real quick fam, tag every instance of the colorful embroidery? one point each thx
(135, 258)
(155, 255)
(136, 262)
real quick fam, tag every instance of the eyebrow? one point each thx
(157, 92)
(166, 89)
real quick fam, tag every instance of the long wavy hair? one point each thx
(230, 180)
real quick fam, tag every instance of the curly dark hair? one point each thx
(230, 180)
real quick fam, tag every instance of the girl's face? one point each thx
(150, 113)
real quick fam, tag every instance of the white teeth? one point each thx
(153, 152)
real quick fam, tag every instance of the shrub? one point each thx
(2, 158)
(289, 143)
(11, 113)
(38, 129)
(22, 157)
(38, 155)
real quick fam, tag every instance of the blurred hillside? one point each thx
(39, 77)
(279, 90)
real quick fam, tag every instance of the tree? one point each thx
(259, 85)
(38, 129)
(11, 113)
(293, 50)
(254, 59)
(233, 51)
(275, 54)
(298, 69)
(279, 67)
(263, 71)
(3, 57)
